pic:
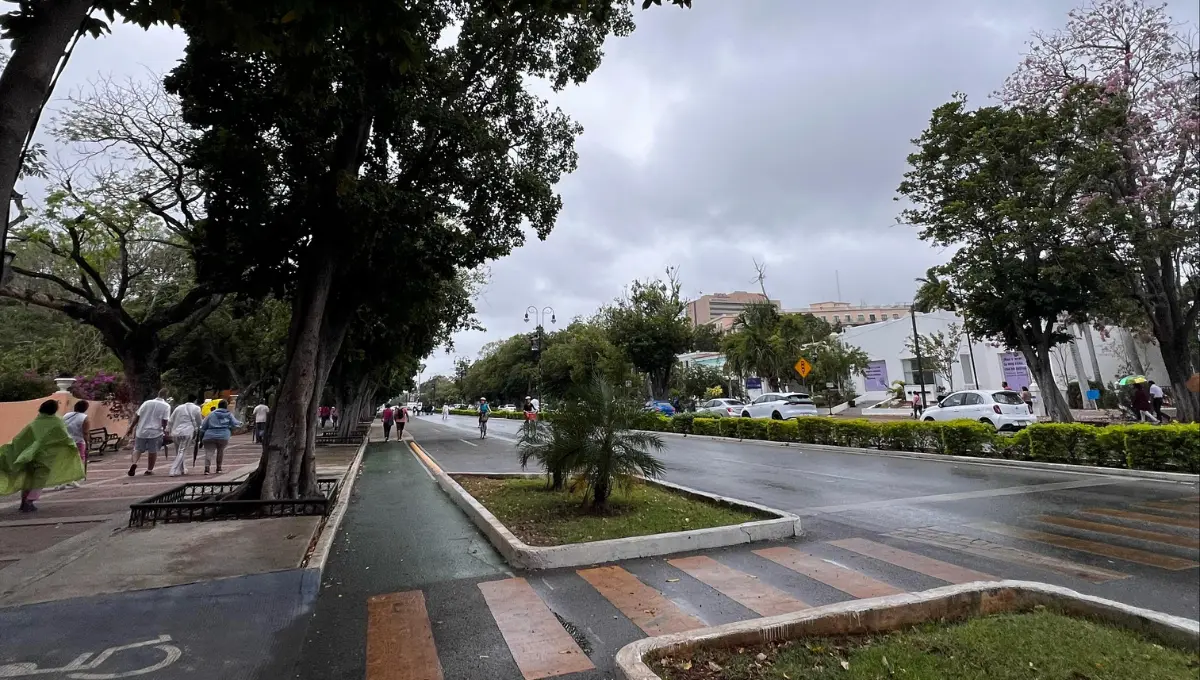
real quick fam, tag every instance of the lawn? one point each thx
(1039, 644)
(543, 518)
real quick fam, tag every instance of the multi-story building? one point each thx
(847, 314)
(722, 308)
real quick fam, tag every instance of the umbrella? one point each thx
(1132, 380)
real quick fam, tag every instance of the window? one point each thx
(972, 399)
(895, 316)
(861, 318)
(824, 318)
(1010, 398)
(872, 317)
(910, 374)
(955, 399)
(847, 317)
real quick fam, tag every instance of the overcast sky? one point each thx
(773, 130)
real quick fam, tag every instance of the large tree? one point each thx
(339, 166)
(648, 324)
(1139, 59)
(767, 343)
(1003, 186)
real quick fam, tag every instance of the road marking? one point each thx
(641, 604)
(399, 639)
(1190, 523)
(43, 521)
(1005, 553)
(938, 569)
(1184, 507)
(789, 469)
(539, 645)
(961, 496)
(749, 592)
(425, 458)
(468, 443)
(1119, 530)
(846, 580)
(1094, 547)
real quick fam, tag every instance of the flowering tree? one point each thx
(107, 388)
(1140, 58)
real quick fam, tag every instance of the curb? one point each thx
(881, 614)
(1182, 477)
(523, 556)
(326, 531)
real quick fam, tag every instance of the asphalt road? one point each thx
(841, 495)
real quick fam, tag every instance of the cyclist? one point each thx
(484, 412)
(530, 414)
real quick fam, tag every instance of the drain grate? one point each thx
(576, 634)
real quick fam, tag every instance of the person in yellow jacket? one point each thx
(41, 455)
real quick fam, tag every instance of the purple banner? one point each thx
(1016, 373)
(876, 376)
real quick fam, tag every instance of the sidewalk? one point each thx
(78, 542)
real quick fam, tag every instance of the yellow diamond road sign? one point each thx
(803, 367)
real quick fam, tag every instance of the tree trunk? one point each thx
(1080, 376)
(26, 81)
(1039, 364)
(1177, 361)
(143, 373)
(1130, 345)
(1091, 348)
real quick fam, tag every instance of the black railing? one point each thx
(206, 501)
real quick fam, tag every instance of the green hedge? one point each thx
(1174, 448)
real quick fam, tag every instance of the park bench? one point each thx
(101, 442)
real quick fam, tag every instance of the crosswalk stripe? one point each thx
(1100, 527)
(641, 604)
(1005, 553)
(1188, 508)
(738, 586)
(1191, 523)
(399, 640)
(846, 580)
(1094, 547)
(539, 645)
(938, 569)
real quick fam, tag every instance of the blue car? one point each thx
(663, 407)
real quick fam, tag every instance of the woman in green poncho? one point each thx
(43, 454)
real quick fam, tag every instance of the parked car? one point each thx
(663, 407)
(509, 407)
(1002, 409)
(720, 408)
(780, 406)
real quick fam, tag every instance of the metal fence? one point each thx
(206, 501)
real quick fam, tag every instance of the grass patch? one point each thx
(542, 518)
(1040, 644)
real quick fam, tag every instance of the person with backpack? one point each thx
(401, 419)
(387, 416)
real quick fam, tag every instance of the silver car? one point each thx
(720, 408)
(780, 406)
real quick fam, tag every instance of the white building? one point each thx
(884, 343)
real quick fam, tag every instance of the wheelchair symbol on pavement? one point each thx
(85, 665)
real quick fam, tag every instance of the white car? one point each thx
(780, 406)
(1002, 409)
(720, 408)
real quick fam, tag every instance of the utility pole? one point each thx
(971, 352)
(917, 346)
(539, 317)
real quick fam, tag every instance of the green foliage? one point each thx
(783, 431)
(753, 428)
(729, 427)
(697, 382)
(1163, 447)
(1108, 397)
(815, 430)
(834, 361)
(648, 324)
(966, 438)
(706, 426)
(682, 422)
(24, 386)
(857, 432)
(766, 343)
(706, 338)
(940, 350)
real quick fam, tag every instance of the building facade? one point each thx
(847, 314)
(722, 308)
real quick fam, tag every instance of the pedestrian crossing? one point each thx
(551, 622)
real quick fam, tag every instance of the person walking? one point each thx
(1027, 397)
(1142, 407)
(445, 411)
(323, 412)
(77, 426)
(216, 430)
(388, 416)
(148, 426)
(185, 421)
(260, 421)
(333, 416)
(42, 454)
(1156, 400)
(401, 420)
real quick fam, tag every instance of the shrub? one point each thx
(966, 438)
(814, 430)
(1163, 447)
(1063, 442)
(859, 432)
(682, 422)
(755, 428)
(24, 386)
(783, 430)
(706, 426)
(905, 435)
(730, 427)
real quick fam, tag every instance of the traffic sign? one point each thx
(803, 367)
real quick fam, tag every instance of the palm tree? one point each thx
(752, 348)
(592, 438)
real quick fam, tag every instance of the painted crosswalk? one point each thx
(551, 622)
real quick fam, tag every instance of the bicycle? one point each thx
(483, 427)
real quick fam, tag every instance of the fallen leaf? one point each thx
(845, 665)
(714, 667)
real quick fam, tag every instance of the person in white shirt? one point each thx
(148, 427)
(1156, 398)
(260, 420)
(445, 411)
(184, 422)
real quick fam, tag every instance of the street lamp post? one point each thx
(539, 318)
(912, 312)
